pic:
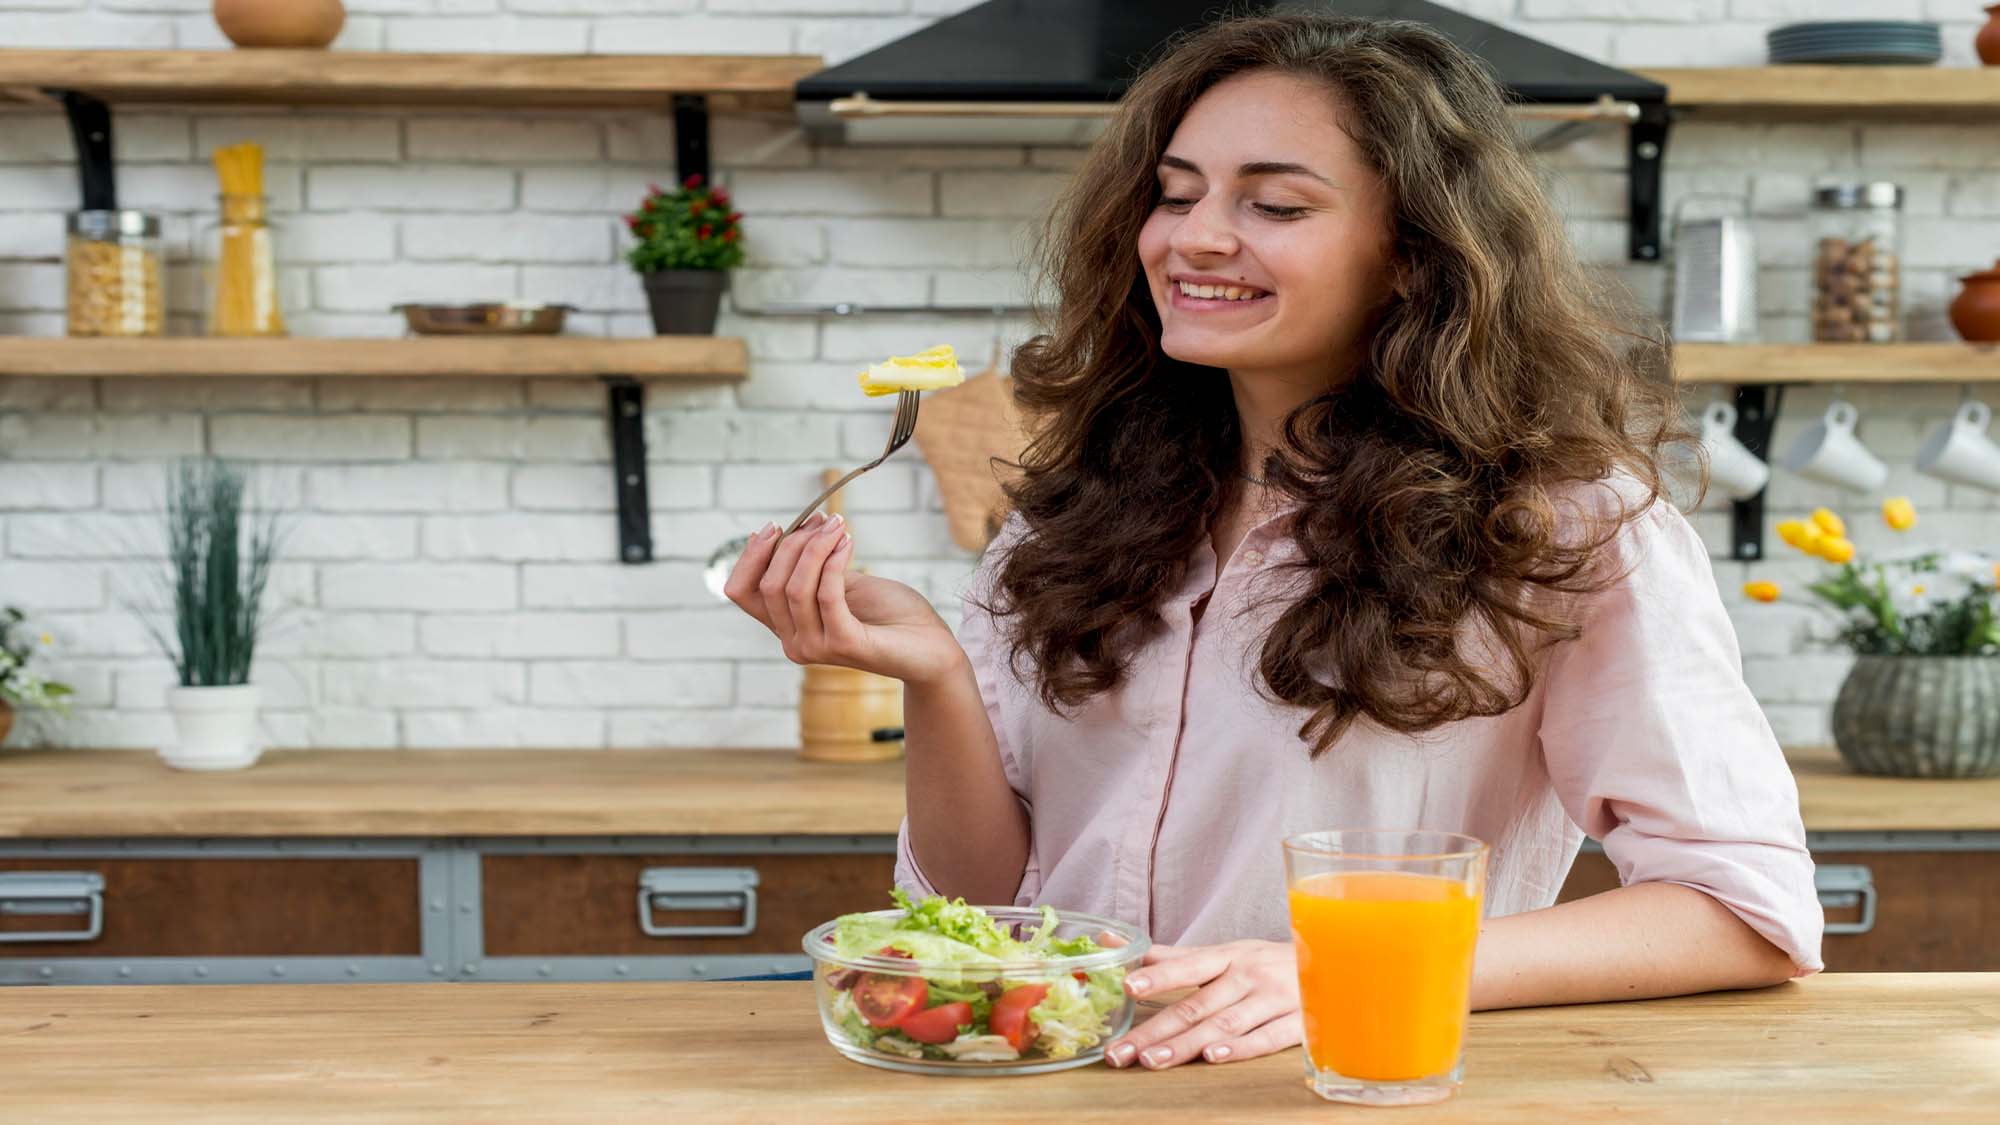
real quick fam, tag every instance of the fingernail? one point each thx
(1120, 1054)
(834, 523)
(1139, 984)
(846, 541)
(1216, 1053)
(1158, 1056)
(767, 531)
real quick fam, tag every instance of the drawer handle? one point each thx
(698, 888)
(41, 893)
(1843, 886)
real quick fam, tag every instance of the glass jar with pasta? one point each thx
(239, 255)
(115, 274)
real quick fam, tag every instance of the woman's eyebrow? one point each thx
(1253, 168)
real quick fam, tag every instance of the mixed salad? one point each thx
(971, 1000)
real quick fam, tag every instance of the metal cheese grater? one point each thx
(1715, 280)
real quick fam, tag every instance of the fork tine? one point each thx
(906, 418)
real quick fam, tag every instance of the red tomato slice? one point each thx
(886, 999)
(1010, 1014)
(939, 1024)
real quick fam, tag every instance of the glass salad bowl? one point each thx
(945, 988)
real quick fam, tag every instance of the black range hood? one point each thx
(1049, 72)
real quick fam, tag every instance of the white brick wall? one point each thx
(450, 579)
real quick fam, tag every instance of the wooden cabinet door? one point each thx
(234, 907)
(1934, 911)
(541, 905)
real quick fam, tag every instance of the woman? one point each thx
(1371, 536)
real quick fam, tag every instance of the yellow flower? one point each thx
(1899, 513)
(1805, 536)
(1826, 521)
(1917, 589)
(1835, 549)
(47, 639)
(1761, 591)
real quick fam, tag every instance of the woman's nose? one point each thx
(1202, 230)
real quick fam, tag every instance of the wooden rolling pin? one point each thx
(841, 709)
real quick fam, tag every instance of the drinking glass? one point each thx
(1385, 922)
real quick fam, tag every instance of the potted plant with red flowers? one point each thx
(687, 238)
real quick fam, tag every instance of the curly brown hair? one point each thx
(1431, 480)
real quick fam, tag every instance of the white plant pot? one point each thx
(217, 726)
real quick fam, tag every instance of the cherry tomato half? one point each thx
(1010, 1014)
(939, 1024)
(886, 999)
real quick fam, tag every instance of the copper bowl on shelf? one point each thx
(490, 318)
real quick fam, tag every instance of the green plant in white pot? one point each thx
(219, 557)
(1923, 696)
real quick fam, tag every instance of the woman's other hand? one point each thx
(798, 586)
(1245, 1004)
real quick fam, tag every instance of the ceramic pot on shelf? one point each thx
(685, 302)
(1920, 716)
(1987, 42)
(1975, 312)
(217, 728)
(280, 23)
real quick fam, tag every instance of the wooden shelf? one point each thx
(298, 77)
(1837, 363)
(1832, 92)
(708, 358)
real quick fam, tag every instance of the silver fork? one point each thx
(899, 436)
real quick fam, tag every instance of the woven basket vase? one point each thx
(960, 430)
(1920, 716)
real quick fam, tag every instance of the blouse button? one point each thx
(1253, 557)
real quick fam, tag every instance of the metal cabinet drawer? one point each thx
(1905, 910)
(666, 904)
(71, 906)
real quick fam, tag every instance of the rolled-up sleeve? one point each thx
(1657, 748)
(975, 636)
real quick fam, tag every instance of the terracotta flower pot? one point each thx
(1920, 716)
(1987, 43)
(280, 23)
(1975, 312)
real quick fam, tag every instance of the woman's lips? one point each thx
(1181, 300)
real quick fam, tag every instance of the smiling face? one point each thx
(1260, 187)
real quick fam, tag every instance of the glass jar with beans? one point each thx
(1857, 263)
(115, 274)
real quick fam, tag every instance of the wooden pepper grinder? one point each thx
(840, 709)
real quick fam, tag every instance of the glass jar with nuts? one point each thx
(1857, 263)
(116, 280)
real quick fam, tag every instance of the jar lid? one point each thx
(110, 224)
(1881, 193)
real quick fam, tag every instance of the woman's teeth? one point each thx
(1226, 292)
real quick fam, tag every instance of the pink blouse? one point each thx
(1163, 802)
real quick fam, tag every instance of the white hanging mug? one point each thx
(1959, 450)
(1733, 470)
(1828, 452)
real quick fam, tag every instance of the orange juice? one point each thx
(1385, 971)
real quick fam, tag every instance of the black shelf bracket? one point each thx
(1646, 150)
(628, 468)
(626, 409)
(1756, 413)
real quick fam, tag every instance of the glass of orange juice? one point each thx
(1385, 922)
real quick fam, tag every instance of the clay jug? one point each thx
(280, 23)
(1987, 43)
(1975, 312)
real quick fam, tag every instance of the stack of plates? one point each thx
(1880, 42)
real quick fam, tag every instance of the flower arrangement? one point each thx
(1925, 603)
(20, 687)
(689, 228)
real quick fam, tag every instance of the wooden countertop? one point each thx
(81, 793)
(1858, 1047)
